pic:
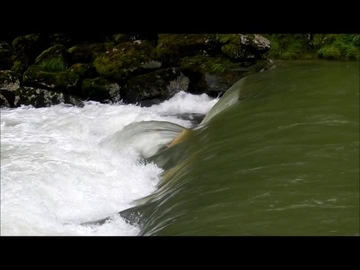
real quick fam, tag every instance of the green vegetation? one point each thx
(53, 65)
(207, 64)
(338, 46)
(312, 46)
(290, 47)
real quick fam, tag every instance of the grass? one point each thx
(53, 65)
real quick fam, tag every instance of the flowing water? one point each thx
(278, 154)
(62, 165)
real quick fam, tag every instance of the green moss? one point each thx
(172, 47)
(57, 51)
(306, 46)
(228, 38)
(83, 70)
(124, 58)
(206, 64)
(87, 53)
(65, 81)
(53, 65)
(25, 43)
(20, 63)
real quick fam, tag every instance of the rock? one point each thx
(8, 79)
(9, 83)
(84, 70)
(5, 55)
(126, 59)
(64, 81)
(100, 89)
(20, 63)
(244, 47)
(57, 52)
(87, 53)
(158, 85)
(30, 45)
(214, 75)
(4, 103)
(172, 47)
(43, 98)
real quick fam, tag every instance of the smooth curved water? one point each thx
(283, 160)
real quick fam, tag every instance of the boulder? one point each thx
(43, 98)
(56, 52)
(30, 45)
(127, 59)
(100, 89)
(243, 48)
(20, 63)
(157, 86)
(84, 70)
(5, 55)
(172, 47)
(64, 81)
(9, 83)
(87, 52)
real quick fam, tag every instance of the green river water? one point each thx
(277, 155)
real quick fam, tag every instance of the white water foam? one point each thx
(56, 173)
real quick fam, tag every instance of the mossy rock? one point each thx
(87, 53)
(243, 47)
(64, 81)
(207, 64)
(161, 84)
(8, 77)
(5, 56)
(214, 75)
(9, 83)
(100, 89)
(30, 45)
(43, 98)
(84, 70)
(126, 59)
(58, 52)
(172, 47)
(20, 63)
